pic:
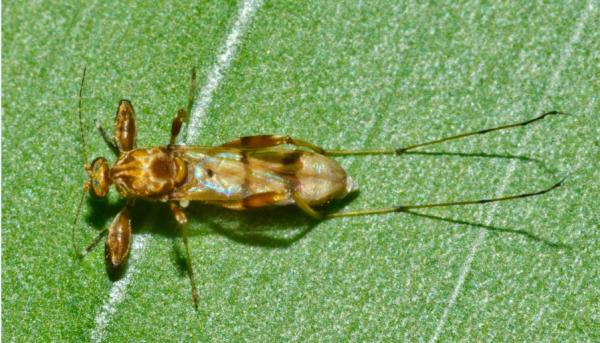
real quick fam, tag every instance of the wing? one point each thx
(226, 175)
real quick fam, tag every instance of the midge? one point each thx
(245, 173)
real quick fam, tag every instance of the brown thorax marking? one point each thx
(148, 173)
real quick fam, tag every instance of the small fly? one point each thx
(246, 173)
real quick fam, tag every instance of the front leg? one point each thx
(112, 143)
(119, 239)
(181, 218)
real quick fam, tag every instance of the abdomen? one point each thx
(321, 179)
(233, 178)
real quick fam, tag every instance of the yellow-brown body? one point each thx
(230, 177)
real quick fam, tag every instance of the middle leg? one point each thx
(181, 218)
(182, 115)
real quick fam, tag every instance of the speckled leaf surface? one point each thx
(341, 74)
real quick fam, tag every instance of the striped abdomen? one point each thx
(241, 179)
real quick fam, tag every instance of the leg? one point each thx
(176, 125)
(92, 244)
(406, 208)
(270, 198)
(266, 141)
(125, 131)
(182, 115)
(119, 239)
(112, 143)
(402, 150)
(181, 218)
(121, 223)
(258, 200)
(192, 91)
(301, 203)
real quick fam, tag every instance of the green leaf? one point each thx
(339, 74)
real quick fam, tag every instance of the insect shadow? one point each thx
(273, 228)
(520, 158)
(276, 228)
(494, 229)
(102, 210)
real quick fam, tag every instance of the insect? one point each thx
(246, 173)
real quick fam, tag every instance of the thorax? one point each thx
(149, 173)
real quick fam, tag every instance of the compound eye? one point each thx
(100, 178)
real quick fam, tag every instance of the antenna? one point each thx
(85, 155)
(86, 186)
